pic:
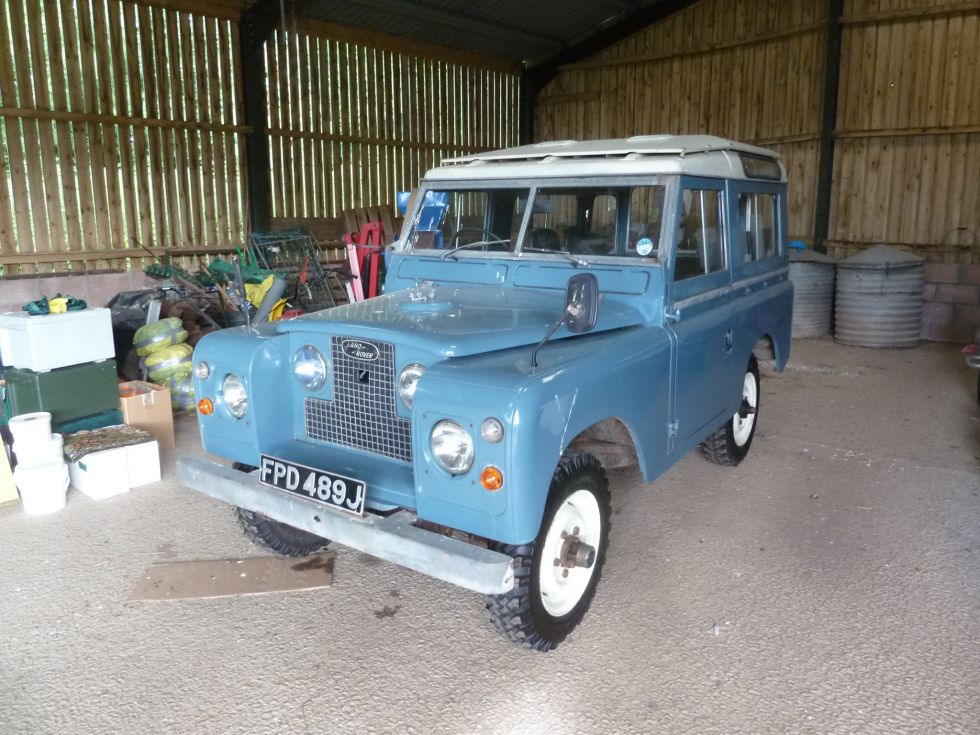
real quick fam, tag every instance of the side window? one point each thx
(700, 248)
(757, 225)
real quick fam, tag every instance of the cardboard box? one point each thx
(143, 462)
(101, 474)
(147, 406)
(114, 471)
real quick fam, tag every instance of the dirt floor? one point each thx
(829, 584)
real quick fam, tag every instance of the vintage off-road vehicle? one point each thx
(549, 311)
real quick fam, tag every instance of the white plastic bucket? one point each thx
(31, 428)
(43, 489)
(48, 451)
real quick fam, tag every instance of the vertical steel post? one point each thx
(828, 121)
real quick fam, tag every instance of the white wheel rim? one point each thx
(561, 593)
(742, 428)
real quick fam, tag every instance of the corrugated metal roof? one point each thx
(512, 29)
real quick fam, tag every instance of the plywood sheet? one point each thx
(233, 577)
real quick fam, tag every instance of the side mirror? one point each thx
(581, 303)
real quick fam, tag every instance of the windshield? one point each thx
(623, 221)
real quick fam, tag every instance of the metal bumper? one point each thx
(392, 538)
(973, 361)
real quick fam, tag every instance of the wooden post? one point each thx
(255, 28)
(828, 121)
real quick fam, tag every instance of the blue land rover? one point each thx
(550, 311)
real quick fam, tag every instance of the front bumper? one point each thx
(392, 538)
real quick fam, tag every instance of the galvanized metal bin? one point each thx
(879, 298)
(812, 274)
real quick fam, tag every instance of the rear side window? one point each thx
(757, 225)
(700, 248)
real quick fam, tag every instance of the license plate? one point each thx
(326, 488)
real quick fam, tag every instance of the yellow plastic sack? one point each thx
(255, 292)
(168, 361)
(58, 305)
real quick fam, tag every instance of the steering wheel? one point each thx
(489, 239)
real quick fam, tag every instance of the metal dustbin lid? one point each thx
(881, 256)
(810, 256)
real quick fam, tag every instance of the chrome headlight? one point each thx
(452, 447)
(233, 395)
(408, 381)
(310, 368)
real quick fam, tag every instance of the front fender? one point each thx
(580, 381)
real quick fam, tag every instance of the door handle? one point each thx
(729, 341)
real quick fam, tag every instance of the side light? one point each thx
(202, 370)
(492, 430)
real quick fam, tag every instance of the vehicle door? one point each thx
(698, 311)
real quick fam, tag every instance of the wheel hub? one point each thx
(575, 553)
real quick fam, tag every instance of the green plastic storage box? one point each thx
(66, 393)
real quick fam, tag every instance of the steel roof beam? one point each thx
(462, 22)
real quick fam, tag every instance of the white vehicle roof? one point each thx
(697, 155)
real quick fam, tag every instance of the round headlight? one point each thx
(310, 368)
(202, 370)
(233, 395)
(452, 447)
(492, 430)
(408, 381)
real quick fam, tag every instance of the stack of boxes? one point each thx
(62, 364)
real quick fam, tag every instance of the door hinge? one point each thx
(672, 429)
(672, 314)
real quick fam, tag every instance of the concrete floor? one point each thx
(830, 584)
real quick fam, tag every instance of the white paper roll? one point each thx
(31, 428)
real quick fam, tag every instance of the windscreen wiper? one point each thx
(567, 256)
(466, 246)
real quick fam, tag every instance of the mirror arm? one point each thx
(547, 336)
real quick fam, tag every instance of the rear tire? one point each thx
(281, 538)
(548, 599)
(730, 444)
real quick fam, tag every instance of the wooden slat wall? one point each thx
(907, 168)
(119, 122)
(746, 69)
(352, 122)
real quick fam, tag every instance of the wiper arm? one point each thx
(466, 246)
(567, 256)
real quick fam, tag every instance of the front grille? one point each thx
(362, 412)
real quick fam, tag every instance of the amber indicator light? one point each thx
(205, 406)
(491, 478)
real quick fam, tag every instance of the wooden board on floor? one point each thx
(233, 577)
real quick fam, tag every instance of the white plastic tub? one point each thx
(43, 489)
(29, 429)
(53, 341)
(42, 452)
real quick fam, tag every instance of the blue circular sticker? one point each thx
(644, 247)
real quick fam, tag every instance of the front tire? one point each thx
(554, 583)
(730, 444)
(281, 538)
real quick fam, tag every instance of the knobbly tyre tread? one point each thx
(511, 613)
(720, 447)
(281, 538)
(715, 448)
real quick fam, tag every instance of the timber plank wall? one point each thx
(121, 126)
(907, 138)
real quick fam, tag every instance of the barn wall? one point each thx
(907, 164)
(907, 152)
(746, 69)
(119, 127)
(353, 120)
